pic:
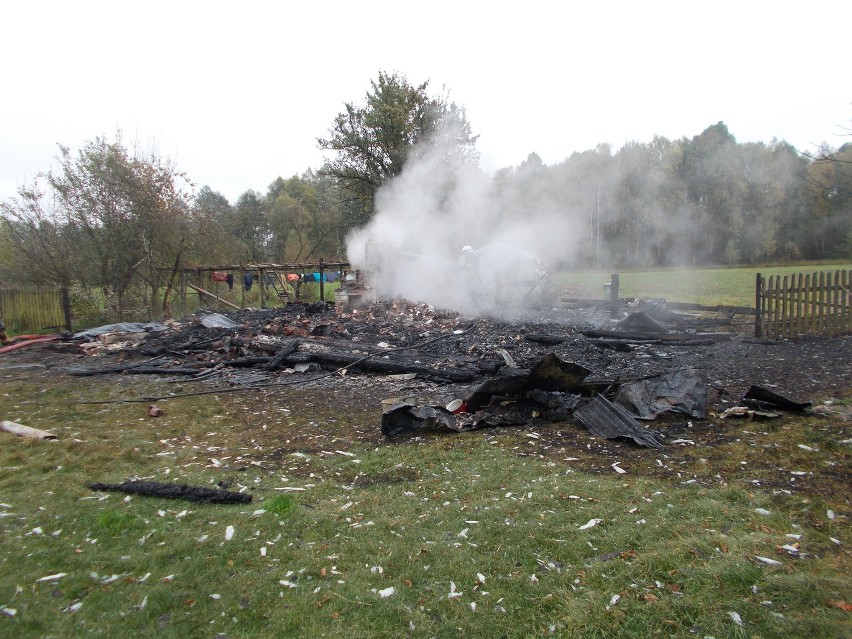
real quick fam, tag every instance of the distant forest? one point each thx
(117, 219)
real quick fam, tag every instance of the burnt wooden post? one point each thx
(613, 294)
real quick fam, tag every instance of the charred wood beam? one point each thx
(287, 348)
(641, 336)
(175, 491)
(139, 370)
(389, 366)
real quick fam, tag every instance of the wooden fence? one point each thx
(27, 311)
(803, 304)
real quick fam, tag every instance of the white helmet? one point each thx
(467, 249)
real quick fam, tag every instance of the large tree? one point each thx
(130, 207)
(373, 142)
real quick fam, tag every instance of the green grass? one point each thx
(474, 540)
(708, 286)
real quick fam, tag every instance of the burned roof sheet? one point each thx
(610, 421)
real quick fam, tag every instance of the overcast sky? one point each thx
(236, 93)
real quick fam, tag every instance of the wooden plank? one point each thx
(201, 291)
(799, 296)
(788, 306)
(758, 307)
(806, 315)
(774, 283)
(835, 305)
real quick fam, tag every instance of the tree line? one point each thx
(123, 221)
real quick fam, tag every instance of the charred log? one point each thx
(175, 491)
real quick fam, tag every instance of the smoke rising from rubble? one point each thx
(438, 205)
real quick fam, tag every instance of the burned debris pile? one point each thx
(607, 372)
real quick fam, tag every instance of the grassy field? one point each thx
(467, 535)
(716, 286)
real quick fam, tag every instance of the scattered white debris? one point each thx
(55, 577)
(830, 514)
(685, 442)
(203, 538)
(473, 606)
(377, 570)
(289, 584)
(453, 594)
(258, 513)
(387, 592)
(618, 468)
(793, 536)
(590, 524)
(836, 541)
(263, 551)
(343, 452)
(769, 561)
(807, 448)
(9, 612)
(480, 577)
(613, 600)
(229, 533)
(463, 533)
(533, 579)
(735, 617)
(762, 511)
(74, 607)
(216, 596)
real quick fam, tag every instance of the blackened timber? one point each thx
(286, 349)
(389, 366)
(175, 491)
(680, 338)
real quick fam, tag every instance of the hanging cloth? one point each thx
(229, 278)
(248, 280)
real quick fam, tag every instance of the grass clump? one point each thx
(281, 505)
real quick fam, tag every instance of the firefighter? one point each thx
(469, 263)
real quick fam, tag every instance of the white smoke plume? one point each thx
(440, 204)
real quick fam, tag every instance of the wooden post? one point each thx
(242, 287)
(262, 275)
(758, 308)
(322, 282)
(66, 307)
(613, 294)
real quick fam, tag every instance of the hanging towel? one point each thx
(248, 280)
(219, 276)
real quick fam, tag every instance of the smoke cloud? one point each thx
(441, 203)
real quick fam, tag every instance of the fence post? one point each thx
(613, 294)
(758, 311)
